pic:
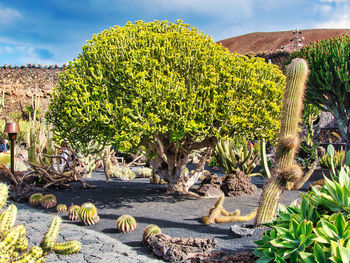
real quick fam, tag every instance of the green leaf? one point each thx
(319, 254)
(330, 150)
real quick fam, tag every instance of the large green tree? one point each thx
(168, 88)
(328, 85)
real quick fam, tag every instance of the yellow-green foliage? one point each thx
(131, 83)
(14, 243)
(126, 223)
(88, 214)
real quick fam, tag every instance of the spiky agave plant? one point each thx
(150, 230)
(126, 223)
(35, 199)
(49, 201)
(61, 208)
(88, 214)
(73, 212)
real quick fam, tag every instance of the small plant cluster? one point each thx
(87, 212)
(127, 223)
(338, 158)
(14, 246)
(316, 230)
(123, 173)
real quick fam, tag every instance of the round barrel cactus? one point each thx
(126, 223)
(73, 212)
(49, 201)
(61, 208)
(88, 214)
(150, 230)
(35, 199)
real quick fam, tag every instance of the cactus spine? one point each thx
(288, 172)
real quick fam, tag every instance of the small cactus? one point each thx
(35, 199)
(126, 223)
(150, 230)
(88, 214)
(61, 208)
(49, 201)
(73, 212)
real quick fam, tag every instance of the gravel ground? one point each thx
(176, 215)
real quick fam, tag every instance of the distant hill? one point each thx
(271, 42)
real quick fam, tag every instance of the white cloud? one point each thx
(8, 15)
(335, 16)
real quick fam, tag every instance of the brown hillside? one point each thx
(266, 42)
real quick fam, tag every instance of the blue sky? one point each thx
(53, 31)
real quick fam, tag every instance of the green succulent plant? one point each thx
(88, 214)
(316, 230)
(337, 158)
(126, 223)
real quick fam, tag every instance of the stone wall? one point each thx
(22, 83)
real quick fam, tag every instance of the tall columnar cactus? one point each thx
(287, 171)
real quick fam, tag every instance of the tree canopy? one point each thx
(132, 84)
